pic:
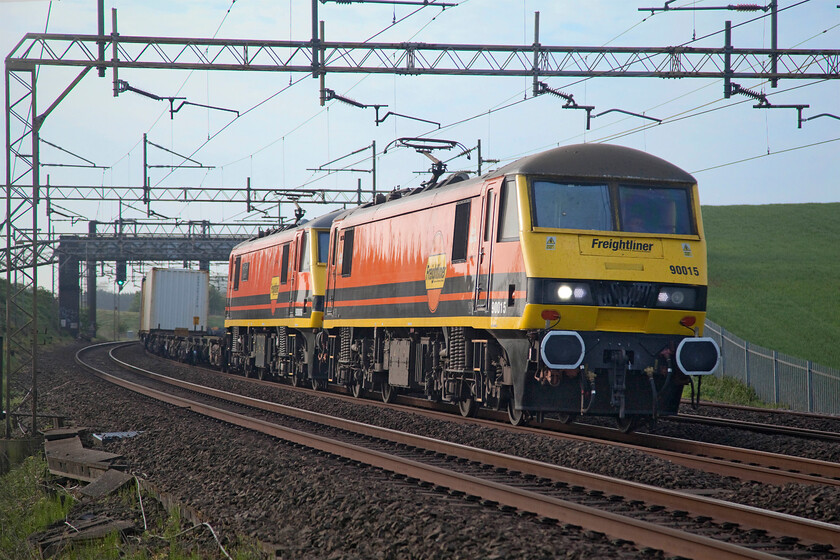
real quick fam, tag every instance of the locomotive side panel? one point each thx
(400, 271)
(274, 284)
(428, 264)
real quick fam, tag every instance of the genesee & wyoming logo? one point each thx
(435, 272)
(621, 245)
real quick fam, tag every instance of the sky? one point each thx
(739, 155)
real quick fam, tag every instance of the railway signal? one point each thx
(121, 274)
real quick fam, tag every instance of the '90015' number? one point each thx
(684, 270)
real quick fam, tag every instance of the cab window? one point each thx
(508, 213)
(460, 237)
(303, 263)
(347, 253)
(284, 264)
(323, 246)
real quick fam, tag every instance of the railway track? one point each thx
(772, 429)
(780, 412)
(746, 464)
(675, 522)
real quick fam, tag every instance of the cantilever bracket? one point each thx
(764, 103)
(732, 7)
(801, 120)
(332, 95)
(389, 113)
(542, 88)
(123, 86)
(631, 113)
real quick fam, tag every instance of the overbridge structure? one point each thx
(127, 245)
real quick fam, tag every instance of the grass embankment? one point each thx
(774, 276)
(29, 504)
(130, 321)
(728, 390)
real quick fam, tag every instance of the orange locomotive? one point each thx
(569, 282)
(275, 300)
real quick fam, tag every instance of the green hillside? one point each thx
(774, 276)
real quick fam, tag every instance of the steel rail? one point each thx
(777, 523)
(773, 429)
(761, 466)
(771, 411)
(745, 464)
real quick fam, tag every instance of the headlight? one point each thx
(571, 292)
(676, 297)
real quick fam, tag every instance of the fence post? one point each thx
(810, 378)
(776, 389)
(722, 353)
(747, 363)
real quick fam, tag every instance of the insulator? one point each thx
(746, 7)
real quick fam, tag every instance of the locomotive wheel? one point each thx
(315, 384)
(389, 392)
(467, 405)
(627, 424)
(516, 417)
(296, 380)
(356, 389)
(567, 418)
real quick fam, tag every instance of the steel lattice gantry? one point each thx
(424, 58)
(23, 250)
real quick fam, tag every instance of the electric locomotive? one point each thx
(570, 282)
(275, 302)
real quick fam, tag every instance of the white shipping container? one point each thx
(175, 298)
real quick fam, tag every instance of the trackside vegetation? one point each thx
(774, 276)
(27, 505)
(31, 504)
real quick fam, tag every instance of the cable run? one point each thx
(283, 90)
(767, 155)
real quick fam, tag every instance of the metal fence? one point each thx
(777, 378)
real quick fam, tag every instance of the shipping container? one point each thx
(174, 299)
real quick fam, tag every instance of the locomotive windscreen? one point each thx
(640, 208)
(655, 209)
(570, 206)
